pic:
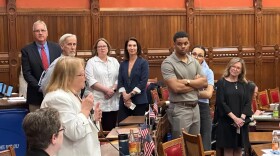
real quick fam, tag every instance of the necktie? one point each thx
(44, 58)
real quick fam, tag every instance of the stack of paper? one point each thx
(277, 132)
(16, 99)
(269, 152)
(262, 116)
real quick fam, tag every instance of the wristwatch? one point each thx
(188, 81)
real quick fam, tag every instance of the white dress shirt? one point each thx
(105, 73)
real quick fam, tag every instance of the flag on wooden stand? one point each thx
(151, 113)
(155, 107)
(144, 130)
(149, 146)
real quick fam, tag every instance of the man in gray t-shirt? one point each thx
(183, 76)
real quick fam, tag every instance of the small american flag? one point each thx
(155, 106)
(144, 130)
(149, 146)
(151, 113)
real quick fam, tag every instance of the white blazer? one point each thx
(81, 135)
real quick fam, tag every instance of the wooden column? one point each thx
(276, 64)
(258, 42)
(12, 42)
(190, 19)
(95, 17)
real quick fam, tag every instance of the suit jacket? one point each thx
(32, 69)
(138, 78)
(80, 135)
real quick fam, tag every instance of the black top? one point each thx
(232, 97)
(36, 152)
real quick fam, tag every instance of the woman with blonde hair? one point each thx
(81, 133)
(234, 109)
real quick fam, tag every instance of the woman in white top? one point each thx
(102, 77)
(81, 133)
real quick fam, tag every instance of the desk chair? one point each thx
(263, 100)
(163, 127)
(164, 93)
(174, 147)
(155, 97)
(254, 105)
(9, 152)
(194, 146)
(274, 95)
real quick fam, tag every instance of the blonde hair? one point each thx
(94, 50)
(65, 71)
(39, 22)
(242, 75)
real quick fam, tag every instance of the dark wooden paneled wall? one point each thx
(251, 33)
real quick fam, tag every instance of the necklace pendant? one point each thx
(236, 86)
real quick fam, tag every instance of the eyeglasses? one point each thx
(102, 47)
(195, 55)
(81, 74)
(62, 129)
(38, 31)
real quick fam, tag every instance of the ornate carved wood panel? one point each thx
(250, 33)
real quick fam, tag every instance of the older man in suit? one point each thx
(36, 58)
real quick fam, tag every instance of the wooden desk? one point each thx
(113, 135)
(257, 149)
(260, 137)
(4, 104)
(131, 120)
(108, 150)
(267, 124)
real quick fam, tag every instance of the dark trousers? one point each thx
(205, 125)
(109, 120)
(124, 112)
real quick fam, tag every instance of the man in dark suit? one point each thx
(35, 59)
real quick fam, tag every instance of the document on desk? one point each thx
(262, 116)
(16, 99)
(127, 130)
(269, 152)
(277, 132)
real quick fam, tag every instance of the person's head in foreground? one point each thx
(43, 131)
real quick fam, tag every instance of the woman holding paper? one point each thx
(233, 109)
(132, 81)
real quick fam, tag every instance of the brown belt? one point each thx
(186, 103)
